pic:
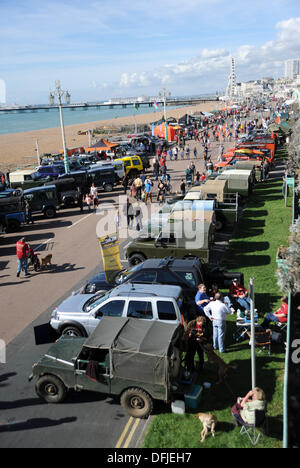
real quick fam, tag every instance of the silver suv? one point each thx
(79, 315)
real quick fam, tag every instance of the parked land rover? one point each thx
(137, 360)
(43, 200)
(79, 315)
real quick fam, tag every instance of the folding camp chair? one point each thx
(251, 429)
(263, 339)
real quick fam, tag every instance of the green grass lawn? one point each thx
(263, 227)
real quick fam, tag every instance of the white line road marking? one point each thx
(41, 245)
(79, 221)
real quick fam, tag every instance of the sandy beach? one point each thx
(19, 149)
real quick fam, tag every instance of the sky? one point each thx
(104, 49)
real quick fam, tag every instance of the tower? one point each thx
(231, 90)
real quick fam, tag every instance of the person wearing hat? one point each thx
(22, 251)
(240, 294)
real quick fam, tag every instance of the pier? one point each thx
(107, 105)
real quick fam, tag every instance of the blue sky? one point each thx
(102, 49)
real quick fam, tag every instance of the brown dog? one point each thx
(222, 366)
(209, 422)
(46, 261)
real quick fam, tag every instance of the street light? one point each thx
(59, 94)
(164, 94)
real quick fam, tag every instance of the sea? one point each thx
(16, 122)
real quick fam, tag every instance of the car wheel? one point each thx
(137, 403)
(50, 212)
(220, 223)
(51, 389)
(13, 225)
(108, 188)
(73, 331)
(136, 259)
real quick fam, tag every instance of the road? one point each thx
(84, 419)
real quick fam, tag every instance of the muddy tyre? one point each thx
(51, 389)
(137, 403)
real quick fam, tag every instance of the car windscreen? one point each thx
(188, 277)
(96, 301)
(125, 275)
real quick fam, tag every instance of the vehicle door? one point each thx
(35, 200)
(140, 309)
(112, 308)
(92, 370)
(165, 245)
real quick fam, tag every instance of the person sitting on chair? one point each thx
(280, 316)
(244, 409)
(240, 294)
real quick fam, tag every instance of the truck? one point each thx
(136, 360)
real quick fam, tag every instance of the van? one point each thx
(43, 200)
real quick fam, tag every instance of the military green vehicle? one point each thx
(178, 238)
(255, 166)
(239, 181)
(25, 179)
(138, 360)
(226, 205)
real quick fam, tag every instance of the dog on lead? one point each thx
(209, 422)
(46, 261)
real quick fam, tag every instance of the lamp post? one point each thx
(164, 94)
(59, 94)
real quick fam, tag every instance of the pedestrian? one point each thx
(217, 311)
(202, 299)
(28, 213)
(182, 153)
(148, 191)
(80, 198)
(187, 151)
(139, 185)
(175, 153)
(266, 169)
(94, 196)
(196, 332)
(22, 250)
(195, 153)
(156, 169)
(88, 201)
(183, 187)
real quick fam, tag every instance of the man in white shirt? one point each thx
(216, 311)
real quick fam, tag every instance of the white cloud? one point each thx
(250, 60)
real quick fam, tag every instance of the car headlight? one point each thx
(54, 315)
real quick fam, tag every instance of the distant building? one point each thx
(291, 68)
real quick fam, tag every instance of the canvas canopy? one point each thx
(139, 348)
(102, 145)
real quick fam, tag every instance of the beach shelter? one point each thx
(102, 145)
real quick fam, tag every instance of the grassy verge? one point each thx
(263, 228)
